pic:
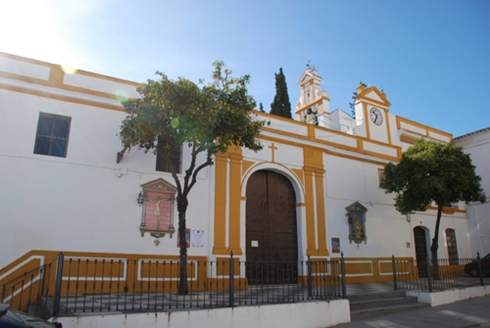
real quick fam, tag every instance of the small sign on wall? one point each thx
(197, 238)
(194, 238)
(335, 245)
(254, 243)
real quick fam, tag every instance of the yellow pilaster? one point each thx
(320, 210)
(310, 224)
(235, 155)
(221, 167)
(313, 169)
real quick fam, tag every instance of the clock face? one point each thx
(376, 116)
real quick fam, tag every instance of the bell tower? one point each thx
(312, 97)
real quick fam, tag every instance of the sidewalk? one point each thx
(471, 313)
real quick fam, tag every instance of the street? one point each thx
(471, 313)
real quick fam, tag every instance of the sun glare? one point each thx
(40, 29)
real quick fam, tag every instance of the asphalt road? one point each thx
(471, 313)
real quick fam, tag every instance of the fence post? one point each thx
(57, 289)
(309, 278)
(342, 275)
(429, 274)
(231, 290)
(480, 273)
(393, 265)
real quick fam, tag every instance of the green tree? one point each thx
(281, 105)
(207, 118)
(432, 172)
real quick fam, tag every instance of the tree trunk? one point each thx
(435, 245)
(181, 208)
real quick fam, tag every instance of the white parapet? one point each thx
(294, 315)
(450, 296)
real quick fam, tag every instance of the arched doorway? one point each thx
(421, 254)
(271, 229)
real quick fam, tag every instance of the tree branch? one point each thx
(208, 162)
(189, 171)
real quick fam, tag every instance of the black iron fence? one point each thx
(87, 285)
(445, 274)
(28, 291)
(74, 284)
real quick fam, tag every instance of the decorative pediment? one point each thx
(309, 74)
(159, 185)
(356, 208)
(372, 93)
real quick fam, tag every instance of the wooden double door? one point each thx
(271, 229)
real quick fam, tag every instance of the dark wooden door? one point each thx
(271, 229)
(420, 239)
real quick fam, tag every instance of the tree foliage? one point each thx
(281, 105)
(432, 172)
(208, 118)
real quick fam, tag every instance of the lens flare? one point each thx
(121, 96)
(174, 123)
(68, 69)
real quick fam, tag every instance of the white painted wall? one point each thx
(84, 202)
(87, 202)
(297, 315)
(388, 232)
(478, 147)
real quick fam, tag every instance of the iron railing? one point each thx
(75, 284)
(446, 274)
(31, 290)
(93, 285)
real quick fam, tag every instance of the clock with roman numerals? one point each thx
(376, 116)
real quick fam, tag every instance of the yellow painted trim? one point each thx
(310, 228)
(312, 138)
(408, 139)
(427, 128)
(56, 76)
(388, 129)
(317, 101)
(292, 143)
(311, 132)
(320, 202)
(447, 210)
(291, 171)
(246, 165)
(78, 71)
(364, 91)
(61, 97)
(56, 81)
(366, 121)
(221, 167)
(299, 174)
(337, 145)
(234, 205)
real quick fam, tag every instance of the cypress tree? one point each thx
(281, 105)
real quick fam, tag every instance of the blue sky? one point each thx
(432, 58)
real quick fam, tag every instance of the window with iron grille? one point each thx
(168, 161)
(452, 247)
(52, 135)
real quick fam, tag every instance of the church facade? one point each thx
(311, 192)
